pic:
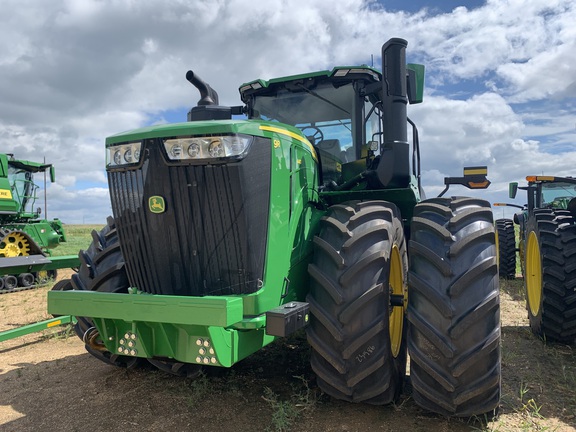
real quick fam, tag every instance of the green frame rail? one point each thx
(36, 327)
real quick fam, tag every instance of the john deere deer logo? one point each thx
(156, 204)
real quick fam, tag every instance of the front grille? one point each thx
(211, 240)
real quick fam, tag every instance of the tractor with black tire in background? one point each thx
(547, 253)
(229, 232)
(26, 239)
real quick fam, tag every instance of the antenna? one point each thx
(45, 199)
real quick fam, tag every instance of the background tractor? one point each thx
(25, 238)
(547, 252)
(229, 232)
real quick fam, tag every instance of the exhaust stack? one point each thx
(394, 167)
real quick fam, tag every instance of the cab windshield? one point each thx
(324, 114)
(557, 194)
(23, 188)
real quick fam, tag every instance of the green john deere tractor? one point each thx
(547, 251)
(228, 233)
(25, 238)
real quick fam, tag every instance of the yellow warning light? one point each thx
(469, 171)
(481, 185)
(539, 178)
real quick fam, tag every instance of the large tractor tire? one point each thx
(454, 308)
(550, 279)
(101, 269)
(506, 248)
(357, 303)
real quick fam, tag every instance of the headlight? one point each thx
(194, 150)
(209, 147)
(123, 154)
(216, 149)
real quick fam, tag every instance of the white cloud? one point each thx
(90, 206)
(456, 133)
(547, 74)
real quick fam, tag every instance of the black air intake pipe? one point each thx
(207, 107)
(208, 95)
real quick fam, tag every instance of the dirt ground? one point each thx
(49, 382)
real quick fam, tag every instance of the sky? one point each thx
(500, 78)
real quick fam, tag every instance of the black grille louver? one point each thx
(211, 240)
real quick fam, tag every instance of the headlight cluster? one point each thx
(209, 147)
(123, 154)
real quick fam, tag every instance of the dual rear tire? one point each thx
(357, 305)
(506, 248)
(357, 299)
(454, 308)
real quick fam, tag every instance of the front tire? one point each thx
(454, 308)
(550, 263)
(357, 298)
(101, 269)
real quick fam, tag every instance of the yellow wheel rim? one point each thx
(14, 244)
(396, 281)
(533, 274)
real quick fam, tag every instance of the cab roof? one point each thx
(339, 73)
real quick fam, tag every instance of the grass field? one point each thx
(77, 237)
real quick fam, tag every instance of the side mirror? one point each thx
(415, 82)
(512, 189)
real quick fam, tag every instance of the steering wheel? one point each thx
(315, 137)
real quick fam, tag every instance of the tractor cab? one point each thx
(557, 194)
(342, 112)
(17, 189)
(323, 112)
(549, 192)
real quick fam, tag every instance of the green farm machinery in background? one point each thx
(301, 208)
(547, 252)
(26, 239)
